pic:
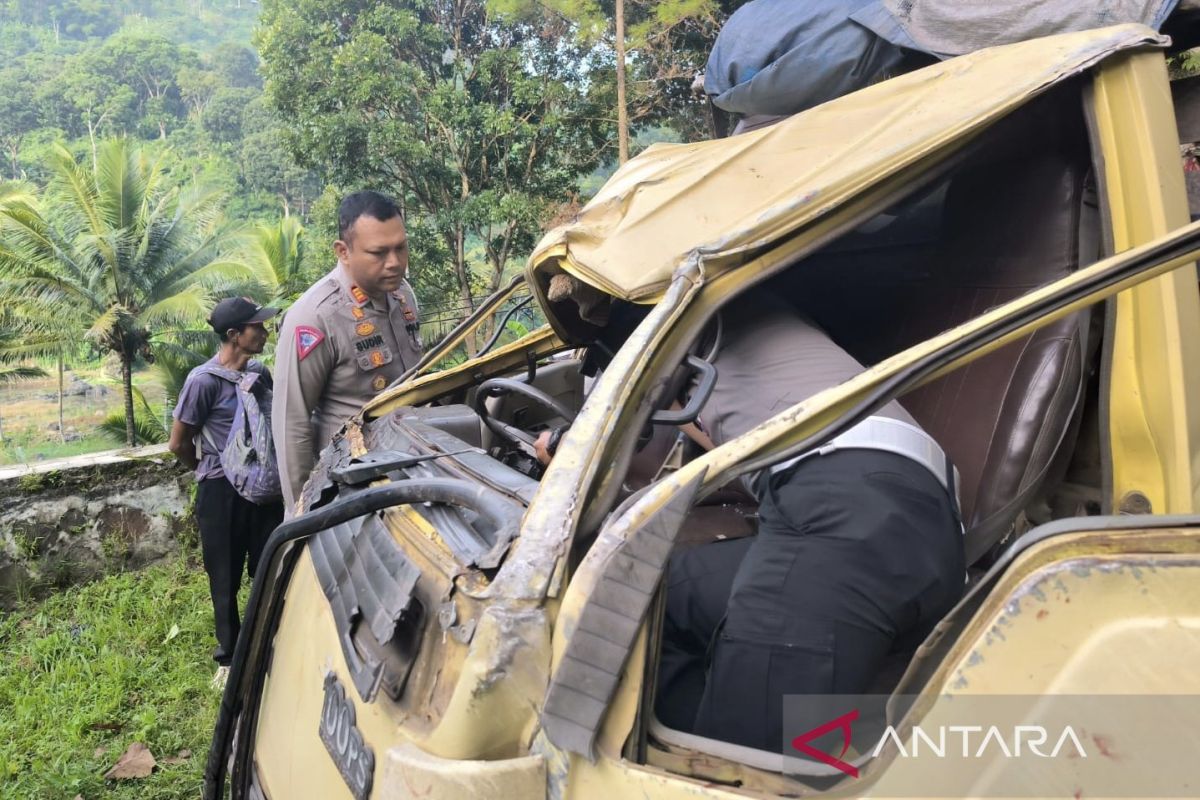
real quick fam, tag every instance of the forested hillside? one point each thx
(180, 72)
(229, 130)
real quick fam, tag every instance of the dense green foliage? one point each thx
(178, 71)
(115, 253)
(481, 128)
(486, 118)
(92, 670)
(486, 121)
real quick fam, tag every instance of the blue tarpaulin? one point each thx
(779, 57)
(783, 56)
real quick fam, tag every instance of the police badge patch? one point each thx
(307, 340)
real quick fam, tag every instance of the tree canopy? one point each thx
(481, 128)
(118, 251)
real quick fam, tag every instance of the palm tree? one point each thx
(176, 353)
(29, 332)
(120, 250)
(274, 257)
(35, 330)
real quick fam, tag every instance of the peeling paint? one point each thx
(558, 766)
(512, 624)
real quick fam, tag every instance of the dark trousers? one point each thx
(232, 534)
(859, 553)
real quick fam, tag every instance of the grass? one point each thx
(89, 671)
(29, 408)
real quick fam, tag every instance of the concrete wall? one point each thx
(68, 521)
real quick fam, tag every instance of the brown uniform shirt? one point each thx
(337, 349)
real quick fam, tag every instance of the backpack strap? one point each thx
(208, 368)
(225, 373)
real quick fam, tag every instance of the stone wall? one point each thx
(74, 520)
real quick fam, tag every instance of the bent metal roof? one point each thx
(716, 200)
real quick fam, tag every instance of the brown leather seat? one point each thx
(1008, 224)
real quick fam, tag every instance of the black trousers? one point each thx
(859, 553)
(232, 534)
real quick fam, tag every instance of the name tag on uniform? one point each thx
(369, 343)
(375, 359)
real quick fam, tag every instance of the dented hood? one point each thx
(722, 201)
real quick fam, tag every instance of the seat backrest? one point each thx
(1007, 225)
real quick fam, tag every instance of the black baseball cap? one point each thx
(234, 312)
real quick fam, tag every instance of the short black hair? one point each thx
(366, 203)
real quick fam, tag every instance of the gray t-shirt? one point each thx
(210, 401)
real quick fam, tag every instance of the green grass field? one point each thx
(89, 671)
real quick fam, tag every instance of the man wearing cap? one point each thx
(233, 529)
(347, 338)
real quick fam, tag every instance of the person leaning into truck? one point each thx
(347, 338)
(858, 554)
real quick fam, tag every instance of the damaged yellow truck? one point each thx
(1003, 237)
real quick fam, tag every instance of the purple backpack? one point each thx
(248, 457)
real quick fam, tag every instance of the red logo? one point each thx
(843, 723)
(307, 339)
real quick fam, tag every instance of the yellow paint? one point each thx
(475, 730)
(291, 758)
(1154, 397)
(422, 389)
(719, 201)
(411, 773)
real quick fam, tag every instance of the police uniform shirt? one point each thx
(770, 358)
(338, 348)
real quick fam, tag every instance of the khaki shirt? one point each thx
(770, 358)
(337, 349)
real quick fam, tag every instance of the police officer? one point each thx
(858, 553)
(350, 335)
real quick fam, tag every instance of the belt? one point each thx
(892, 436)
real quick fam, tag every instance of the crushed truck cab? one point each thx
(1003, 238)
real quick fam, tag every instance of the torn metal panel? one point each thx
(618, 580)
(492, 712)
(365, 577)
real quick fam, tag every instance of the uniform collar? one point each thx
(357, 297)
